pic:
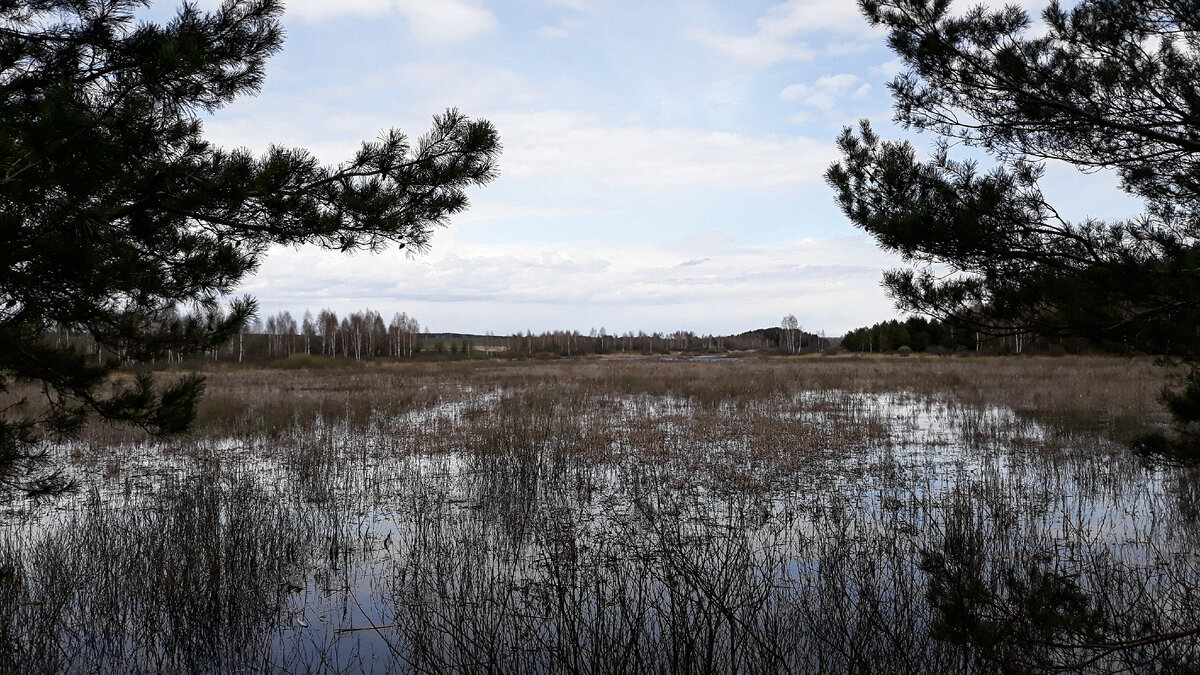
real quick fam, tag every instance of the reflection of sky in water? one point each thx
(470, 474)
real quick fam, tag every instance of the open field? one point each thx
(759, 515)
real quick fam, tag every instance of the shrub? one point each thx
(309, 362)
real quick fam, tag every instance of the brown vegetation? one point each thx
(763, 515)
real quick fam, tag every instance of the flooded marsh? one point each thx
(763, 516)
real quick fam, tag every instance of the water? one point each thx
(524, 529)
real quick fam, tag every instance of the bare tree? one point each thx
(286, 326)
(309, 329)
(789, 328)
(377, 335)
(327, 323)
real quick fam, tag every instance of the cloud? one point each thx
(830, 284)
(445, 20)
(827, 91)
(558, 145)
(778, 32)
(475, 86)
(889, 69)
(564, 29)
(1034, 7)
(803, 17)
(755, 50)
(551, 147)
(836, 25)
(577, 5)
(545, 149)
(429, 22)
(315, 10)
(331, 119)
(554, 32)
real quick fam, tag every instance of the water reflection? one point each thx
(559, 530)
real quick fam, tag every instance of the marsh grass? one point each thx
(801, 515)
(193, 579)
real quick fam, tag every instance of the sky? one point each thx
(662, 167)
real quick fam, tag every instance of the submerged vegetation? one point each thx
(768, 515)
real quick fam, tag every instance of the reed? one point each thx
(764, 515)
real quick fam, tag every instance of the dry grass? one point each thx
(763, 515)
(1116, 393)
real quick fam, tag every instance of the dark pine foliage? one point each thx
(115, 213)
(1108, 85)
(915, 332)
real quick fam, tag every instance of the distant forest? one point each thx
(366, 335)
(918, 334)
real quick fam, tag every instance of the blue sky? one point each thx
(662, 165)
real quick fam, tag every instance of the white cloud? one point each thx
(553, 32)
(430, 22)
(756, 50)
(323, 9)
(1033, 7)
(475, 86)
(801, 118)
(445, 20)
(829, 284)
(778, 33)
(827, 91)
(837, 26)
(544, 147)
(562, 30)
(559, 145)
(577, 5)
(331, 120)
(508, 210)
(889, 69)
(801, 17)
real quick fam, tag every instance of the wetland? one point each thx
(766, 515)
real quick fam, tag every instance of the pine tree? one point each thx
(115, 212)
(1106, 85)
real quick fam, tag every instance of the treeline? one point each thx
(358, 335)
(919, 334)
(788, 340)
(574, 343)
(366, 335)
